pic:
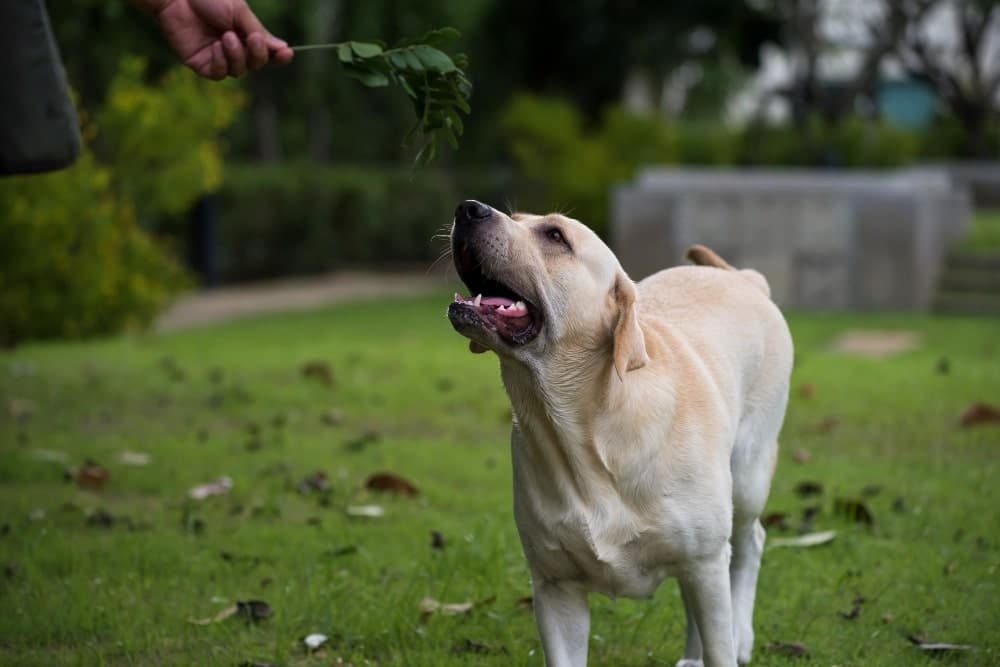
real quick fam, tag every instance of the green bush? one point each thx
(74, 261)
(570, 166)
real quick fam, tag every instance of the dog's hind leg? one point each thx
(753, 466)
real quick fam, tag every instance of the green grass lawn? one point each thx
(232, 400)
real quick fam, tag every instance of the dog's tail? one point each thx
(705, 256)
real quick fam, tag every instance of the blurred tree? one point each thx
(963, 66)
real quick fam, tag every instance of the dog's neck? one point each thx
(554, 404)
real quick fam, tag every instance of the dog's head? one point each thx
(538, 282)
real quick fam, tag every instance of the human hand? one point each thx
(217, 38)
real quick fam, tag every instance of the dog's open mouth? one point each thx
(495, 307)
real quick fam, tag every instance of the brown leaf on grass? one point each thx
(437, 540)
(801, 456)
(978, 414)
(332, 417)
(318, 481)
(826, 425)
(20, 409)
(807, 390)
(855, 510)
(790, 649)
(216, 488)
(386, 481)
(319, 371)
(101, 518)
(807, 488)
(527, 602)
(253, 610)
(91, 475)
(887, 617)
(775, 520)
(937, 647)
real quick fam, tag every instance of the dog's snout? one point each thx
(472, 211)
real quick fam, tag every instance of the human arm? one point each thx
(216, 38)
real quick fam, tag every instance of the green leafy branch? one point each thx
(434, 81)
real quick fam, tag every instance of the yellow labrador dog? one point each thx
(646, 419)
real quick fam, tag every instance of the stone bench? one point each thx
(829, 240)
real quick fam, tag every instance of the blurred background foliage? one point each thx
(569, 98)
(76, 260)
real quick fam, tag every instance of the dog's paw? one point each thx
(688, 662)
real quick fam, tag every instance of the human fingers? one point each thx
(236, 56)
(257, 53)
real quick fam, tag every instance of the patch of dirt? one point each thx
(231, 302)
(876, 343)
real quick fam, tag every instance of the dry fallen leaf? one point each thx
(386, 481)
(791, 649)
(938, 647)
(370, 511)
(827, 425)
(319, 371)
(478, 647)
(20, 409)
(807, 390)
(252, 610)
(807, 540)
(332, 417)
(216, 488)
(429, 606)
(775, 520)
(808, 488)
(437, 540)
(134, 458)
(801, 455)
(527, 602)
(318, 481)
(855, 510)
(980, 413)
(91, 475)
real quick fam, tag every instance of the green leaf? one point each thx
(441, 38)
(412, 61)
(344, 53)
(434, 59)
(370, 78)
(366, 49)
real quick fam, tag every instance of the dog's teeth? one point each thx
(479, 298)
(520, 305)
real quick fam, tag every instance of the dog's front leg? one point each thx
(563, 619)
(705, 584)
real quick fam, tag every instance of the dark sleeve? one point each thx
(39, 130)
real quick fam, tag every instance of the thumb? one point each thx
(247, 23)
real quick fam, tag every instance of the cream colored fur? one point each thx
(645, 430)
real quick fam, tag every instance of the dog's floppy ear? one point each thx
(629, 344)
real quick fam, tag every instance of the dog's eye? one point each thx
(555, 235)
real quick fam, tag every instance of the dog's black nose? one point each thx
(472, 211)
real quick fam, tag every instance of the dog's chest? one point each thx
(606, 548)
